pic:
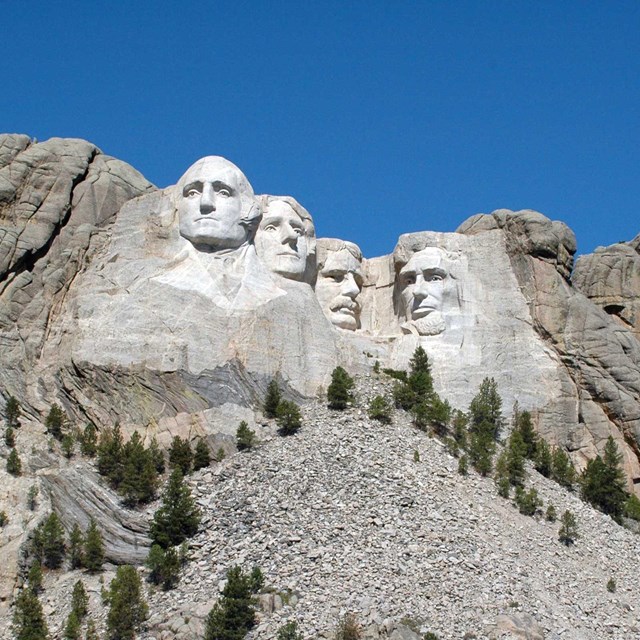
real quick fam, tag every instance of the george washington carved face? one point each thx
(216, 205)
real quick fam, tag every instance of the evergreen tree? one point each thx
(93, 548)
(202, 456)
(245, 437)
(485, 409)
(272, 400)
(524, 425)
(460, 421)
(380, 410)
(220, 455)
(481, 448)
(76, 546)
(463, 465)
(89, 441)
(164, 566)
(32, 496)
(92, 633)
(14, 464)
(139, 476)
(516, 450)
(340, 391)
(543, 460)
(68, 443)
(28, 619)
(603, 482)
(12, 413)
(10, 437)
(48, 542)
(128, 609)
(568, 532)
(551, 515)
(256, 579)
(632, 507)
(157, 456)
(79, 600)
(55, 422)
(180, 455)
(289, 631)
(501, 475)
(72, 628)
(110, 455)
(562, 469)
(233, 616)
(527, 501)
(178, 518)
(289, 419)
(34, 578)
(420, 380)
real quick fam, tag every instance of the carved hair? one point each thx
(333, 245)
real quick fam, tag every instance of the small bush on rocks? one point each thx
(611, 585)
(289, 419)
(380, 409)
(568, 532)
(245, 437)
(340, 391)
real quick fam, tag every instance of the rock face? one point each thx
(171, 310)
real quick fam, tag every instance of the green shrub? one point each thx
(289, 631)
(89, 441)
(28, 619)
(164, 566)
(272, 400)
(93, 556)
(180, 455)
(527, 501)
(340, 390)
(568, 532)
(348, 628)
(32, 496)
(202, 456)
(632, 507)
(611, 585)
(127, 607)
(79, 600)
(10, 437)
(12, 413)
(380, 409)
(551, 515)
(56, 422)
(14, 464)
(289, 419)
(245, 437)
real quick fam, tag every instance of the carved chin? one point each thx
(344, 319)
(430, 325)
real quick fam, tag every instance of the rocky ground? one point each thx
(342, 518)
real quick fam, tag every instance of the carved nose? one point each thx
(421, 290)
(207, 200)
(350, 287)
(288, 235)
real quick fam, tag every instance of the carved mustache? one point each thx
(343, 302)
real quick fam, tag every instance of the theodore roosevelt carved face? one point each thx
(422, 286)
(216, 206)
(285, 240)
(339, 282)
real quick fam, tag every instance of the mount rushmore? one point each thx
(170, 310)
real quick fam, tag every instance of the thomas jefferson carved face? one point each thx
(422, 283)
(216, 205)
(285, 238)
(338, 285)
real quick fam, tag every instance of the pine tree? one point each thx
(164, 566)
(340, 390)
(289, 631)
(543, 460)
(32, 496)
(93, 548)
(12, 413)
(156, 455)
(460, 421)
(28, 618)
(245, 437)
(89, 441)
(485, 409)
(524, 425)
(92, 633)
(14, 464)
(68, 443)
(180, 455)
(603, 482)
(72, 628)
(79, 600)
(10, 437)
(562, 469)
(48, 542)
(128, 609)
(272, 400)
(76, 546)
(527, 501)
(139, 476)
(289, 419)
(420, 380)
(481, 448)
(516, 450)
(110, 455)
(380, 410)
(233, 616)
(56, 421)
(501, 475)
(568, 532)
(34, 578)
(202, 456)
(178, 518)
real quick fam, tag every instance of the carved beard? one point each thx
(430, 325)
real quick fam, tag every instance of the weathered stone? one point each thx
(516, 627)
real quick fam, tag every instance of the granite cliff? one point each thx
(170, 310)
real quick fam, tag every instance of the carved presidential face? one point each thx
(281, 241)
(213, 201)
(338, 285)
(422, 283)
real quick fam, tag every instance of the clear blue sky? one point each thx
(379, 117)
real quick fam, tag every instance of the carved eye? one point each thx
(225, 193)
(337, 277)
(409, 279)
(297, 230)
(270, 227)
(436, 277)
(192, 193)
